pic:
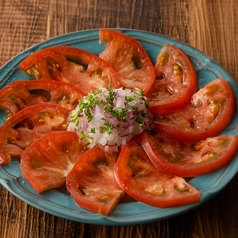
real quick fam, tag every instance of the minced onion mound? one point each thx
(110, 117)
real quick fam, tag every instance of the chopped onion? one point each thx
(110, 117)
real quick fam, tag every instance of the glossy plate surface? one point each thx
(59, 203)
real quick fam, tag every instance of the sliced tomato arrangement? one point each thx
(92, 182)
(47, 161)
(28, 125)
(175, 81)
(23, 93)
(190, 159)
(152, 166)
(209, 112)
(129, 58)
(143, 182)
(69, 64)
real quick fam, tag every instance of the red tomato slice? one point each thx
(73, 65)
(129, 58)
(175, 81)
(210, 111)
(143, 182)
(23, 93)
(190, 160)
(47, 161)
(28, 125)
(92, 183)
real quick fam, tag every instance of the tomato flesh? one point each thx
(143, 182)
(69, 64)
(175, 81)
(190, 160)
(47, 161)
(129, 58)
(23, 93)
(92, 182)
(209, 112)
(29, 124)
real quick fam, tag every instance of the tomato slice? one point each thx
(47, 161)
(92, 183)
(209, 112)
(190, 160)
(69, 64)
(129, 58)
(28, 125)
(23, 93)
(143, 182)
(175, 81)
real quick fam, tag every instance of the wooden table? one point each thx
(210, 26)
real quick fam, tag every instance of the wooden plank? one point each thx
(215, 32)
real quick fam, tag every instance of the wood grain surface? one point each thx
(211, 26)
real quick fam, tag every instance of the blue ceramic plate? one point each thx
(61, 204)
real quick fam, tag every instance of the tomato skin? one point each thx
(92, 183)
(175, 83)
(143, 182)
(69, 64)
(129, 58)
(47, 161)
(23, 93)
(8, 150)
(209, 112)
(190, 160)
(28, 125)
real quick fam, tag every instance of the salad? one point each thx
(115, 124)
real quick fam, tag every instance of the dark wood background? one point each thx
(211, 26)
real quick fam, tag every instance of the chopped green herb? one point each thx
(110, 97)
(129, 99)
(93, 130)
(140, 121)
(106, 128)
(99, 112)
(139, 92)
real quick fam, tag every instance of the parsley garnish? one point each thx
(110, 97)
(106, 128)
(132, 112)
